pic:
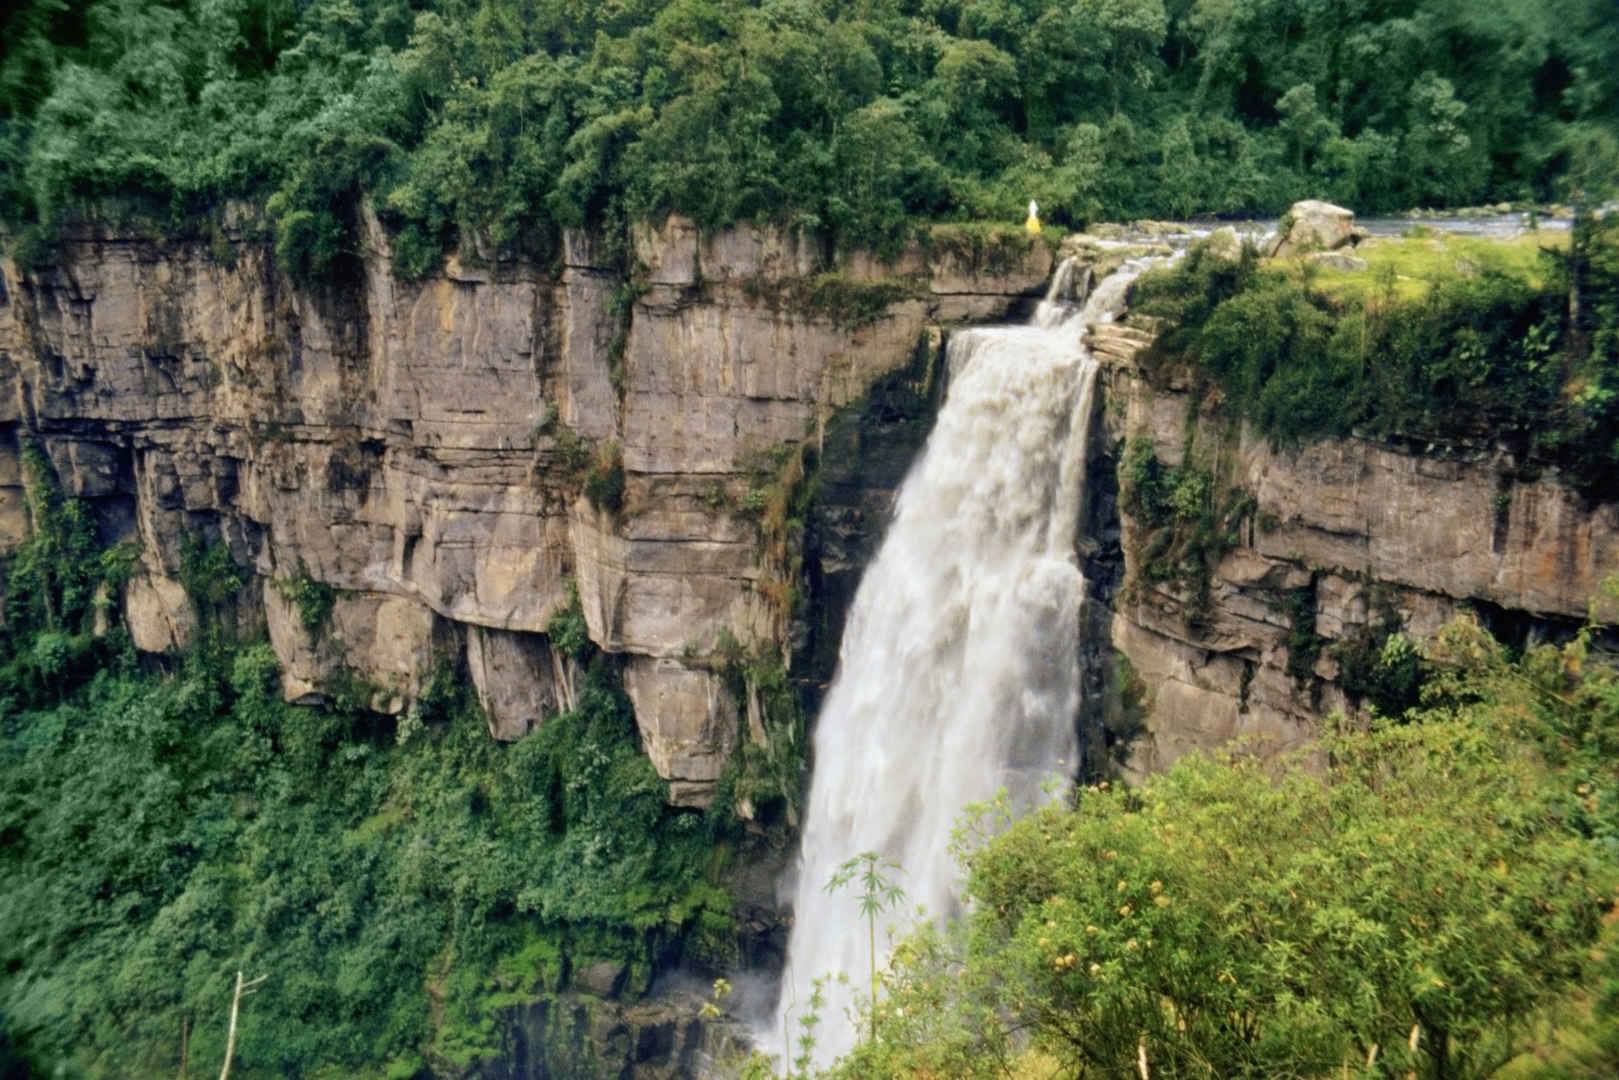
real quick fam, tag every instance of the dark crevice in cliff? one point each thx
(1105, 726)
(866, 450)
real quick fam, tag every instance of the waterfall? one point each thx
(958, 673)
(1069, 286)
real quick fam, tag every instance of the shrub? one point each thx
(1187, 524)
(397, 894)
(313, 599)
(1421, 896)
(1462, 352)
(1378, 664)
(604, 479)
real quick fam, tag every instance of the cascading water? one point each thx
(958, 673)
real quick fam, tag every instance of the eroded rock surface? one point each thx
(1344, 532)
(1313, 225)
(421, 447)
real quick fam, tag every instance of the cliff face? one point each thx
(1345, 536)
(423, 448)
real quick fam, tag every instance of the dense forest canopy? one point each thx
(494, 122)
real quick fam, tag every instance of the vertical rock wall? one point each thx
(1344, 534)
(420, 447)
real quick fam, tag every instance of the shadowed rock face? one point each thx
(407, 443)
(1355, 528)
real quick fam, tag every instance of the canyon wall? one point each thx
(423, 449)
(697, 444)
(1346, 539)
(453, 456)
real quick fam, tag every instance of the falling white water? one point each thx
(958, 673)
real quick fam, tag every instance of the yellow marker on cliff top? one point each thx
(1033, 224)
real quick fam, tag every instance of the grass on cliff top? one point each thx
(1425, 258)
(987, 245)
(1443, 338)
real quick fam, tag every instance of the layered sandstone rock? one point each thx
(416, 445)
(1351, 528)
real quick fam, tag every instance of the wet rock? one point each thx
(514, 674)
(688, 724)
(603, 978)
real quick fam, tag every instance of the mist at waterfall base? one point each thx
(958, 673)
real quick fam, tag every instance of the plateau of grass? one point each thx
(1424, 258)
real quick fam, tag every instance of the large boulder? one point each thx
(1313, 225)
(1337, 260)
(688, 724)
(515, 678)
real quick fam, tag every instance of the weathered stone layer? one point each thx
(1353, 524)
(408, 443)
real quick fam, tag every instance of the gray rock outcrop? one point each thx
(1346, 529)
(417, 446)
(1313, 225)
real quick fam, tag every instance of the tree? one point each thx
(1306, 126)
(242, 989)
(878, 893)
(1407, 900)
(1592, 175)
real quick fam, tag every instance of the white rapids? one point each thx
(958, 673)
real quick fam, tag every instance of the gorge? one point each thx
(703, 449)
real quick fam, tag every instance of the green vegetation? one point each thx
(984, 248)
(1450, 340)
(209, 573)
(878, 893)
(488, 125)
(313, 599)
(1303, 643)
(567, 630)
(59, 581)
(392, 909)
(1378, 664)
(622, 308)
(833, 296)
(782, 483)
(397, 884)
(1188, 522)
(1434, 897)
(604, 478)
(764, 780)
(596, 468)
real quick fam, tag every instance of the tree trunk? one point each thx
(235, 1006)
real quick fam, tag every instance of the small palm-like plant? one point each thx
(878, 894)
